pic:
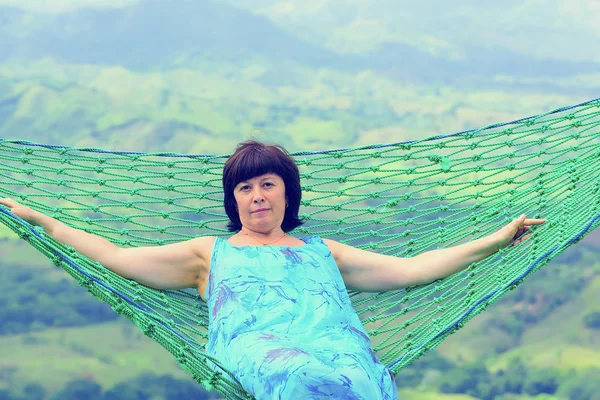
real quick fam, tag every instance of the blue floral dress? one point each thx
(281, 321)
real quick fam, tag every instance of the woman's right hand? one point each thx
(22, 211)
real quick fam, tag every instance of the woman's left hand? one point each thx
(509, 235)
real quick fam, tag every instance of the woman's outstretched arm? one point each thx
(366, 271)
(174, 266)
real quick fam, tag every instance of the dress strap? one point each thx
(313, 239)
(217, 248)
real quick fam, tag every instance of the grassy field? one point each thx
(561, 341)
(108, 353)
(409, 394)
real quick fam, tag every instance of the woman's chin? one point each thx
(263, 222)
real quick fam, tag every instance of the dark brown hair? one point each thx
(251, 159)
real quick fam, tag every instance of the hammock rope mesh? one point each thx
(399, 199)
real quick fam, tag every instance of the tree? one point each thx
(583, 386)
(592, 320)
(541, 381)
(511, 380)
(34, 391)
(465, 379)
(6, 395)
(80, 389)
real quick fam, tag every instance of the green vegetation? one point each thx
(476, 381)
(592, 320)
(29, 302)
(189, 111)
(108, 353)
(148, 386)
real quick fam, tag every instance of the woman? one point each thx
(280, 317)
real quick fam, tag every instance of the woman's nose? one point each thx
(258, 197)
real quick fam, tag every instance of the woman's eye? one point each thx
(268, 183)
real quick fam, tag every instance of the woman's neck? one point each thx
(264, 238)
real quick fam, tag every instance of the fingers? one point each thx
(534, 221)
(522, 220)
(7, 202)
(10, 203)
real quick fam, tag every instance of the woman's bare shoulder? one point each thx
(334, 246)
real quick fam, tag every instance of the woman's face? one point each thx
(261, 202)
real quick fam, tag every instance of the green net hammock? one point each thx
(400, 199)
